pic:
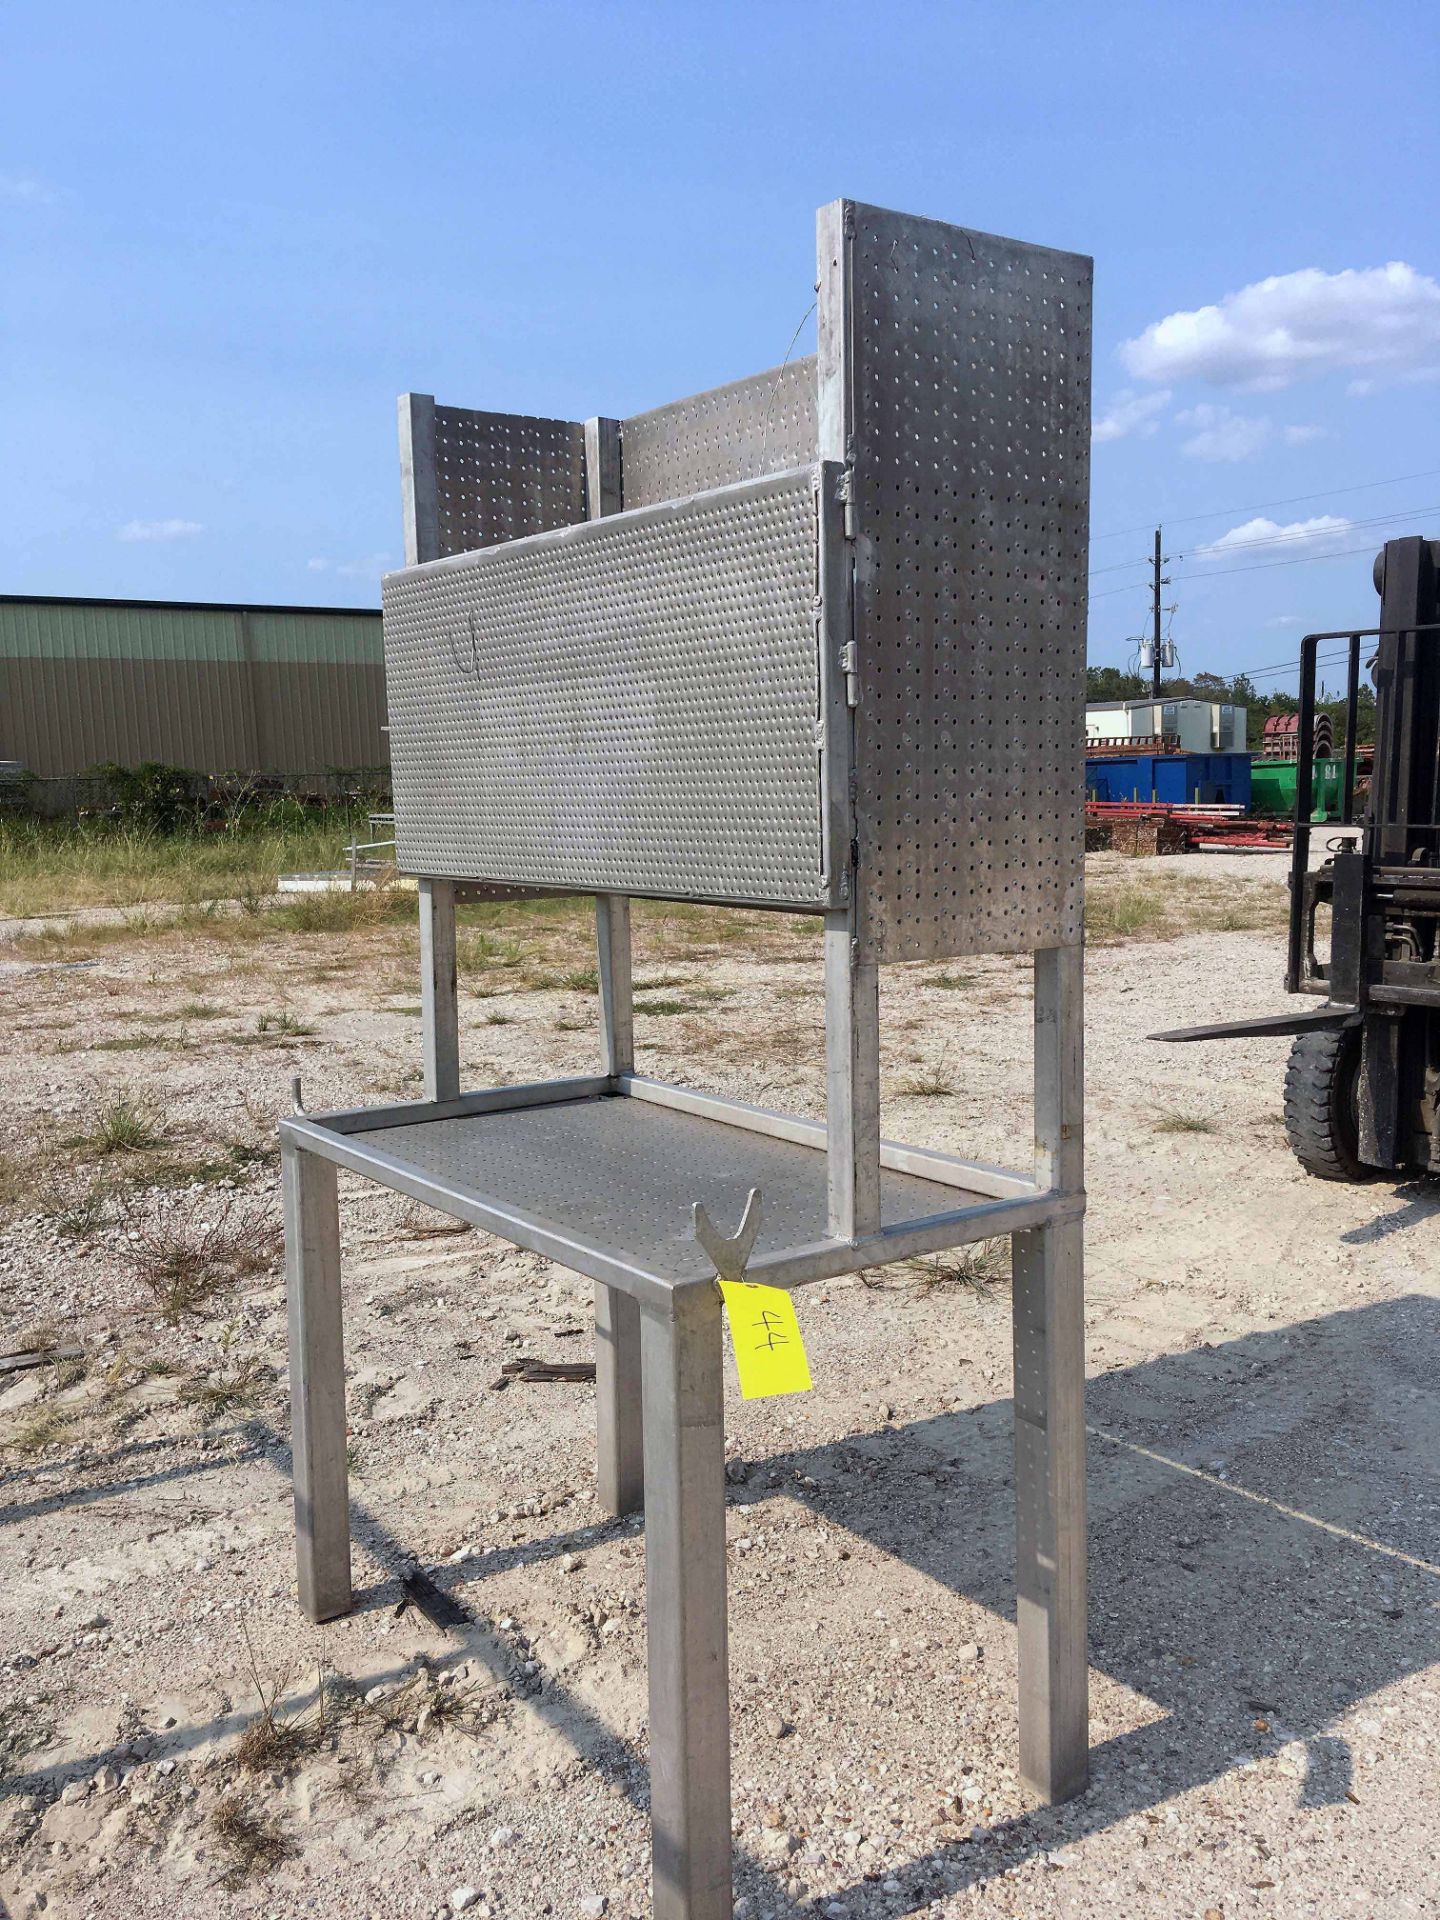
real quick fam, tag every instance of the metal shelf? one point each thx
(603, 1176)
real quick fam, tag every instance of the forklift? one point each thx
(1362, 1087)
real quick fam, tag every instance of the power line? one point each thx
(1282, 539)
(1219, 573)
(1263, 566)
(1294, 499)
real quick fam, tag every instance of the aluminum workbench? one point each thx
(812, 642)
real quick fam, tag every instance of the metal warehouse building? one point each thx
(215, 688)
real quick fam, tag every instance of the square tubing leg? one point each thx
(618, 1416)
(1049, 1333)
(685, 1607)
(439, 991)
(317, 1384)
(1050, 1509)
(617, 1015)
(619, 1419)
(852, 1083)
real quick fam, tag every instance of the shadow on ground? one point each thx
(1265, 1531)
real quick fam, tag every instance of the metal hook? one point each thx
(295, 1098)
(729, 1255)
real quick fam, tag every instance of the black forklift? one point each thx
(1362, 1088)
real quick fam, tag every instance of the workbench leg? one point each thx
(317, 1384)
(439, 990)
(619, 1418)
(1050, 1508)
(685, 1607)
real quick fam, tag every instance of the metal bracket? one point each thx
(850, 667)
(845, 495)
(296, 1102)
(729, 1256)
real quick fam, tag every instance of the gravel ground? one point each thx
(175, 1738)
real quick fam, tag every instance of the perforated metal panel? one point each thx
(971, 397)
(741, 432)
(629, 705)
(623, 1176)
(503, 476)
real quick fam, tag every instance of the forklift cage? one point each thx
(1392, 784)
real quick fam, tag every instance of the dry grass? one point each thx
(283, 1026)
(217, 1394)
(1156, 904)
(43, 1429)
(196, 1245)
(250, 1842)
(926, 1085)
(977, 1269)
(1184, 1123)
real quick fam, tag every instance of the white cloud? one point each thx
(1220, 434)
(1129, 413)
(369, 567)
(159, 529)
(25, 188)
(1302, 436)
(1284, 620)
(1320, 530)
(1279, 330)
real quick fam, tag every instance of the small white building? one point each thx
(1196, 726)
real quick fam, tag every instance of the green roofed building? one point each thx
(289, 691)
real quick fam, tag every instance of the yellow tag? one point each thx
(769, 1352)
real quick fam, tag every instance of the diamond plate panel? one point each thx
(624, 706)
(503, 476)
(741, 432)
(623, 1175)
(971, 382)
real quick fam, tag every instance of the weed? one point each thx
(659, 981)
(577, 980)
(926, 1086)
(197, 1245)
(568, 1026)
(42, 1430)
(1127, 912)
(499, 1020)
(344, 912)
(221, 1393)
(951, 982)
(976, 1269)
(124, 1125)
(122, 1043)
(251, 1842)
(665, 1006)
(200, 1010)
(1184, 1123)
(283, 1025)
(13, 1181)
(82, 1218)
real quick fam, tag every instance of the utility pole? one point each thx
(1155, 597)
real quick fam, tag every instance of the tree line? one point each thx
(1111, 683)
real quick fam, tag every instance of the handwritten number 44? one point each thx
(771, 1337)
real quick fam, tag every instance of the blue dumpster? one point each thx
(1173, 779)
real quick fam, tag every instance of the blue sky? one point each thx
(233, 233)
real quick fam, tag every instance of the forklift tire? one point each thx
(1321, 1121)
